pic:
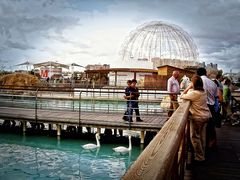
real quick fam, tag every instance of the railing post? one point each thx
(142, 137)
(12, 95)
(24, 123)
(147, 100)
(72, 99)
(49, 127)
(188, 146)
(174, 171)
(36, 106)
(80, 104)
(182, 154)
(117, 94)
(58, 130)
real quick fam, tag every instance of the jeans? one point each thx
(133, 105)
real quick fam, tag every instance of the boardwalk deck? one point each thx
(88, 119)
(222, 163)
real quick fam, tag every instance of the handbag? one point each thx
(166, 102)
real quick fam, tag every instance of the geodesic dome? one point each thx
(161, 40)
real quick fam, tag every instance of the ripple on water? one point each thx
(26, 162)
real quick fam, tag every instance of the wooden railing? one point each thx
(164, 158)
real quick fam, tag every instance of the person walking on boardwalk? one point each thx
(134, 102)
(226, 98)
(218, 104)
(211, 89)
(174, 89)
(199, 117)
(127, 96)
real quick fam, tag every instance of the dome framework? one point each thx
(160, 40)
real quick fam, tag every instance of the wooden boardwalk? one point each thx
(222, 163)
(151, 122)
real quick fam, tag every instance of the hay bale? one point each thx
(19, 80)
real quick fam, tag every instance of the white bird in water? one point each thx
(93, 146)
(122, 149)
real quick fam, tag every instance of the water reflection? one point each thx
(48, 158)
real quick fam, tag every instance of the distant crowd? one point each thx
(210, 105)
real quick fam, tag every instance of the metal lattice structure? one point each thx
(160, 40)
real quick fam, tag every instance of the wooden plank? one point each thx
(93, 119)
(224, 161)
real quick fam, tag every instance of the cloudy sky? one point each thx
(93, 31)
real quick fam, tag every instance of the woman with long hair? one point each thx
(199, 115)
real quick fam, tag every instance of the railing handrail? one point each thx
(72, 87)
(88, 90)
(157, 159)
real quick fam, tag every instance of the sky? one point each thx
(93, 31)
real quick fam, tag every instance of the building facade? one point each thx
(174, 62)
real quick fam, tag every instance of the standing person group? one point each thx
(173, 88)
(199, 115)
(131, 95)
(204, 114)
(226, 98)
(211, 89)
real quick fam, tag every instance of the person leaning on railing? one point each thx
(199, 116)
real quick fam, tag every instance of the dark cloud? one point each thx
(24, 23)
(30, 26)
(17, 45)
(214, 25)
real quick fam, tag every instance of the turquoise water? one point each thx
(86, 105)
(43, 157)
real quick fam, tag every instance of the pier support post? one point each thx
(99, 130)
(24, 123)
(79, 129)
(49, 127)
(120, 132)
(88, 129)
(115, 132)
(142, 137)
(58, 130)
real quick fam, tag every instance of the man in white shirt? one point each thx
(211, 89)
(174, 89)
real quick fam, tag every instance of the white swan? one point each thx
(122, 149)
(93, 146)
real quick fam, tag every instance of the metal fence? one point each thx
(105, 100)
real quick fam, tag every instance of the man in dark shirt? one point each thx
(127, 97)
(134, 101)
